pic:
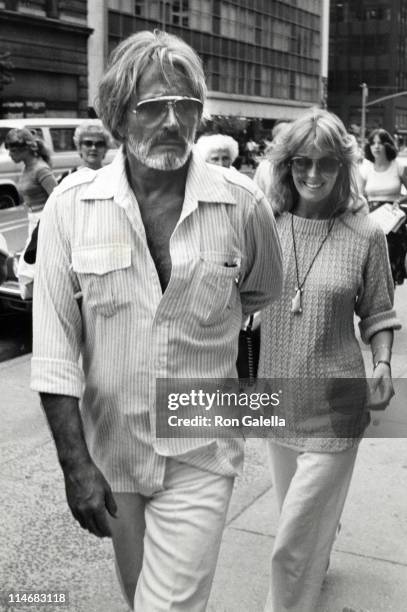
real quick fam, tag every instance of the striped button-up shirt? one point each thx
(226, 260)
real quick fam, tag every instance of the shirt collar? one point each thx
(205, 183)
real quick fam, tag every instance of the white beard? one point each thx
(158, 161)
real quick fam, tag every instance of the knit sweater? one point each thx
(318, 347)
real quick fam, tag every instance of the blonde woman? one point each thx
(335, 266)
(35, 184)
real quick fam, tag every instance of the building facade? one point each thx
(368, 44)
(262, 58)
(47, 41)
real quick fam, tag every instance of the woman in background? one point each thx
(92, 141)
(35, 184)
(382, 178)
(218, 149)
(335, 265)
(36, 181)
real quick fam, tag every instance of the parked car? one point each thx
(58, 137)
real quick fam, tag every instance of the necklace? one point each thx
(296, 302)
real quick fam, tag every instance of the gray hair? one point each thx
(128, 62)
(94, 127)
(209, 143)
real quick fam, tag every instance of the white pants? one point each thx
(167, 545)
(311, 490)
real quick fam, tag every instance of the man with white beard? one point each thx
(167, 252)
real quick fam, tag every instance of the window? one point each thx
(150, 9)
(200, 16)
(280, 81)
(62, 139)
(176, 12)
(229, 26)
(237, 23)
(229, 72)
(306, 87)
(31, 6)
(280, 35)
(124, 6)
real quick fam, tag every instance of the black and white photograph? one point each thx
(203, 305)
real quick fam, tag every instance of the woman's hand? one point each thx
(381, 387)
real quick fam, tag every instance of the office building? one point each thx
(262, 58)
(368, 44)
(47, 41)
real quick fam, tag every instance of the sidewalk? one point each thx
(42, 548)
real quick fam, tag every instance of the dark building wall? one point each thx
(49, 55)
(368, 45)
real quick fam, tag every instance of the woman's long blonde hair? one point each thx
(325, 131)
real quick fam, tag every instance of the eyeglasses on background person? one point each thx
(99, 144)
(15, 145)
(152, 110)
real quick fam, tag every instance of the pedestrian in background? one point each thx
(335, 266)
(262, 176)
(92, 142)
(382, 178)
(36, 181)
(251, 150)
(167, 254)
(218, 149)
(35, 184)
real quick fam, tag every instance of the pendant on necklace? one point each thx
(296, 302)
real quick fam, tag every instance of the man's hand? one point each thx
(89, 498)
(88, 492)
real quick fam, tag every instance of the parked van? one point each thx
(58, 137)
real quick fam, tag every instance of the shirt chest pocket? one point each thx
(103, 274)
(217, 286)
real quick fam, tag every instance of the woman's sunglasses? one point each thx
(324, 165)
(99, 144)
(15, 145)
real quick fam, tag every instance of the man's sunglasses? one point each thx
(15, 145)
(150, 112)
(99, 144)
(324, 165)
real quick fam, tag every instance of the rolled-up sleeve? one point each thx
(57, 328)
(374, 305)
(263, 273)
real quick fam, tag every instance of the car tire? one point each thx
(7, 200)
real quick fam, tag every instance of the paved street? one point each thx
(42, 548)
